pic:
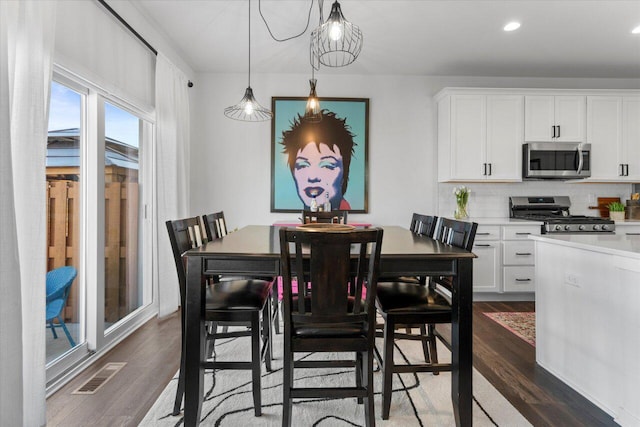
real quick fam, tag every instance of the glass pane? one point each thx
(64, 313)
(123, 284)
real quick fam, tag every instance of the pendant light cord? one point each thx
(249, 74)
(292, 37)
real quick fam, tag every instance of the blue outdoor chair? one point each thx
(59, 282)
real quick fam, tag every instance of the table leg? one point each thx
(462, 343)
(194, 342)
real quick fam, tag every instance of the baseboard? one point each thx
(511, 296)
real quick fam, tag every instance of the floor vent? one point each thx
(100, 378)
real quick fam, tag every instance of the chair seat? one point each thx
(398, 297)
(239, 294)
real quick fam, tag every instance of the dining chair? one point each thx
(336, 217)
(242, 303)
(58, 286)
(324, 316)
(404, 303)
(215, 226)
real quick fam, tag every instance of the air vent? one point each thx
(100, 378)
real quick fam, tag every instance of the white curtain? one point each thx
(172, 154)
(27, 31)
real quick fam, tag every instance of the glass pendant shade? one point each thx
(312, 110)
(336, 42)
(248, 109)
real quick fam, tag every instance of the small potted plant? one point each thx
(616, 211)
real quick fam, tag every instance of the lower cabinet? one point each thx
(505, 260)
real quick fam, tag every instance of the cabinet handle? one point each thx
(483, 245)
(522, 234)
(558, 132)
(621, 170)
(482, 234)
(523, 280)
(553, 129)
(484, 169)
(523, 253)
(489, 168)
(626, 169)
(632, 234)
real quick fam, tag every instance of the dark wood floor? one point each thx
(152, 355)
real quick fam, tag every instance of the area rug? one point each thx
(418, 399)
(520, 323)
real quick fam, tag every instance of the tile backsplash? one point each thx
(491, 200)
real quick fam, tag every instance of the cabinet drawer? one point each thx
(519, 279)
(517, 232)
(518, 253)
(488, 232)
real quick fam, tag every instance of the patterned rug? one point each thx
(522, 324)
(418, 399)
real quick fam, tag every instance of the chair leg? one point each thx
(433, 352)
(276, 309)
(287, 381)
(66, 332)
(180, 391)
(359, 372)
(387, 367)
(256, 363)
(425, 340)
(266, 336)
(53, 329)
(369, 409)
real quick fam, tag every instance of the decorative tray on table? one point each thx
(317, 226)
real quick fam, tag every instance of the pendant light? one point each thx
(336, 42)
(312, 110)
(248, 109)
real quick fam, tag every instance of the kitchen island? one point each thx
(588, 317)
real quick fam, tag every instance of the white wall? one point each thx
(231, 160)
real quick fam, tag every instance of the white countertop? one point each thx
(613, 244)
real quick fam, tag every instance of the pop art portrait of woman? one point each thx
(324, 159)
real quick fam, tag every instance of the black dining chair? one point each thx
(324, 316)
(335, 217)
(242, 303)
(405, 303)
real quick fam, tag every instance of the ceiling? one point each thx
(562, 38)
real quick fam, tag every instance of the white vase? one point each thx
(616, 216)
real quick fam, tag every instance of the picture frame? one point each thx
(299, 172)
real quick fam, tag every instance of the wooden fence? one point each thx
(121, 242)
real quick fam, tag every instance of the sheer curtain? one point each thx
(172, 153)
(27, 31)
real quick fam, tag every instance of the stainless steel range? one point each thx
(553, 211)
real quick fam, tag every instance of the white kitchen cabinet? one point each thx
(480, 137)
(518, 258)
(613, 130)
(487, 270)
(552, 118)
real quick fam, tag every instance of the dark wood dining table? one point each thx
(255, 251)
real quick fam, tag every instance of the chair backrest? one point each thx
(336, 217)
(456, 233)
(215, 225)
(423, 224)
(328, 261)
(183, 236)
(58, 283)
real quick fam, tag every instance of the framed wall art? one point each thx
(325, 160)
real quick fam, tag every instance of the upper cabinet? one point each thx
(555, 118)
(480, 137)
(613, 130)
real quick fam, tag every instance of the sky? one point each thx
(64, 113)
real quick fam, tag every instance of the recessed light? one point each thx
(636, 30)
(512, 26)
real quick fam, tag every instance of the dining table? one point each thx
(254, 250)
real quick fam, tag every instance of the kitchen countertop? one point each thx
(502, 221)
(612, 244)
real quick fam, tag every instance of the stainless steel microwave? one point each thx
(556, 160)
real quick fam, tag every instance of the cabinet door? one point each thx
(631, 137)
(519, 279)
(539, 118)
(505, 127)
(487, 272)
(604, 133)
(570, 116)
(468, 135)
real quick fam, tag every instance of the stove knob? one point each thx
(581, 227)
(605, 227)
(596, 227)
(558, 227)
(567, 227)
